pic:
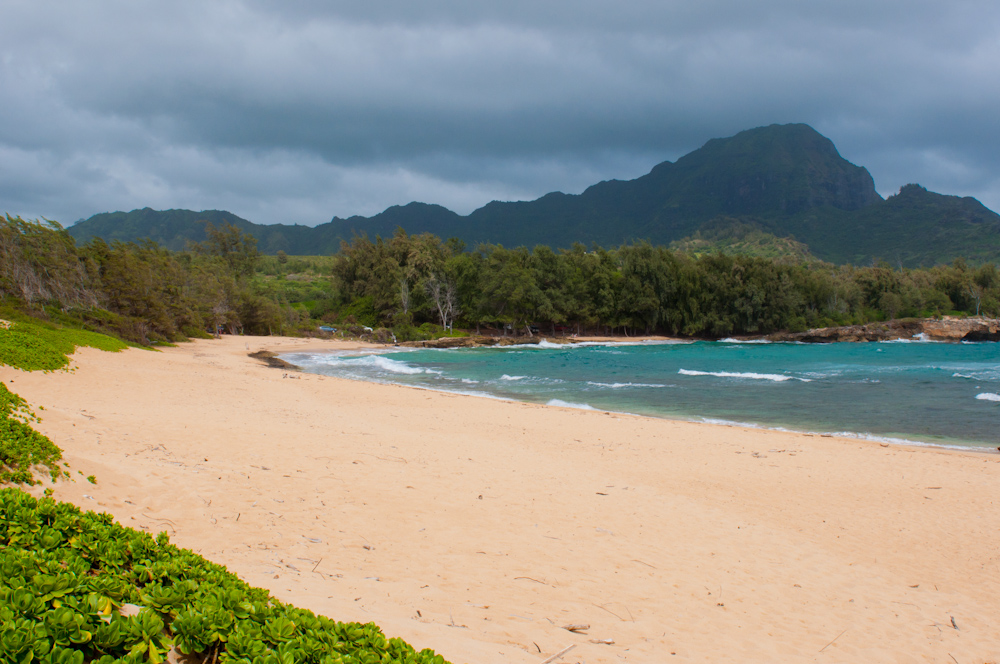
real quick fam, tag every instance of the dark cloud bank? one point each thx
(295, 112)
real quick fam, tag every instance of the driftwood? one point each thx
(558, 655)
(576, 627)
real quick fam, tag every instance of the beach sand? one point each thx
(480, 527)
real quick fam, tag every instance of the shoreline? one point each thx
(895, 440)
(480, 527)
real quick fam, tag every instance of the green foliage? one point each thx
(735, 275)
(731, 236)
(21, 447)
(33, 347)
(38, 263)
(65, 577)
(45, 347)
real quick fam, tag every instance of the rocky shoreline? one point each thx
(477, 341)
(947, 328)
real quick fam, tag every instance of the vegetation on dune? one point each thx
(39, 346)
(22, 448)
(35, 347)
(66, 576)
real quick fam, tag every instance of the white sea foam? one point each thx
(567, 404)
(778, 378)
(506, 377)
(893, 440)
(647, 342)
(617, 386)
(469, 381)
(960, 375)
(921, 338)
(377, 362)
(391, 366)
(988, 396)
(731, 340)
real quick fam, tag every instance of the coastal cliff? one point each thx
(933, 329)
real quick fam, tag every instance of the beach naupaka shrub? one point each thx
(39, 347)
(35, 347)
(21, 447)
(77, 588)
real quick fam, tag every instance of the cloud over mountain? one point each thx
(303, 110)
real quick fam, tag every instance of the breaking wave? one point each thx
(777, 378)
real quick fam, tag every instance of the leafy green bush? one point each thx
(39, 347)
(34, 347)
(65, 576)
(21, 447)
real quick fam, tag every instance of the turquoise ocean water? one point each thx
(935, 393)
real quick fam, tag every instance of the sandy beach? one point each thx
(480, 528)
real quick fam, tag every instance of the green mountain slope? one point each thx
(789, 180)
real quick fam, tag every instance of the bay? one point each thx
(930, 393)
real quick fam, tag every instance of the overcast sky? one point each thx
(296, 111)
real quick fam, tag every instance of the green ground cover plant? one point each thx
(65, 576)
(35, 347)
(21, 447)
(44, 347)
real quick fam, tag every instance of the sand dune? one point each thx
(480, 527)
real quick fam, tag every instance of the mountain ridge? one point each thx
(787, 179)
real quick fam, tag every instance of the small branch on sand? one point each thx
(558, 655)
(530, 579)
(611, 612)
(630, 616)
(576, 627)
(834, 639)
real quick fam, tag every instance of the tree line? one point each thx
(637, 289)
(421, 285)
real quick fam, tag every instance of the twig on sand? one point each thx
(630, 616)
(953, 658)
(576, 627)
(558, 655)
(834, 639)
(611, 612)
(530, 579)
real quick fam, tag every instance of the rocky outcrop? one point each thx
(272, 360)
(932, 329)
(477, 341)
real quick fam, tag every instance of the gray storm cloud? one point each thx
(294, 112)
